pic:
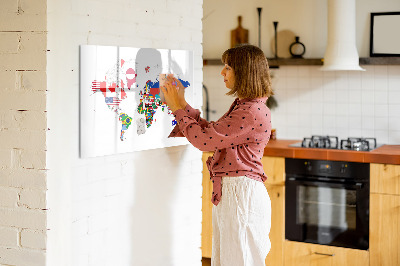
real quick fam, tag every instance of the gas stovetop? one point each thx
(332, 142)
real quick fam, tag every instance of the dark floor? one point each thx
(206, 261)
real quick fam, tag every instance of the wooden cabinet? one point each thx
(304, 254)
(206, 226)
(385, 215)
(385, 178)
(274, 168)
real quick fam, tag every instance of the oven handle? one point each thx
(357, 185)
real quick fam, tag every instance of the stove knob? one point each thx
(343, 168)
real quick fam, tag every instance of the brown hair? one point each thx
(250, 66)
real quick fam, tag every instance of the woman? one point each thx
(242, 211)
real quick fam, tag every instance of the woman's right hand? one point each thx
(181, 92)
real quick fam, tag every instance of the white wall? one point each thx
(311, 102)
(23, 133)
(141, 208)
(306, 19)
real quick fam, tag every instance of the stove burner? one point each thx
(328, 142)
(358, 144)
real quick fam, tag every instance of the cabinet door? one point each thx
(274, 168)
(384, 230)
(385, 178)
(304, 254)
(206, 226)
(277, 233)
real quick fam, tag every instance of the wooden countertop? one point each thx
(389, 154)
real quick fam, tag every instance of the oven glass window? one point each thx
(326, 207)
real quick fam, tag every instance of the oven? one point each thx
(327, 202)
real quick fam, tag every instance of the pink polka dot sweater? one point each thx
(238, 139)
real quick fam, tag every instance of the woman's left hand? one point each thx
(171, 94)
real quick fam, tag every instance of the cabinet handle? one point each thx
(324, 254)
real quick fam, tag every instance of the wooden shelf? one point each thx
(380, 61)
(274, 63)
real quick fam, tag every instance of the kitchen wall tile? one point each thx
(342, 96)
(304, 72)
(394, 97)
(316, 82)
(355, 132)
(329, 109)
(355, 109)
(329, 93)
(291, 71)
(303, 82)
(354, 80)
(380, 71)
(328, 74)
(355, 96)
(367, 96)
(292, 82)
(381, 84)
(394, 123)
(315, 72)
(329, 121)
(367, 133)
(394, 110)
(393, 71)
(354, 122)
(367, 82)
(342, 109)
(342, 122)
(367, 110)
(381, 97)
(382, 123)
(381, 110)
(394, 82)
(368, 122)
(381, 136)
(327, 101)
(394, 137)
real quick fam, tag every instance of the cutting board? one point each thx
(239, 35)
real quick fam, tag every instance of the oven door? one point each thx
(327, 213)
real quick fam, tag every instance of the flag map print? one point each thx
(122, 108)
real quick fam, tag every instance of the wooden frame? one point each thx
(384, 37)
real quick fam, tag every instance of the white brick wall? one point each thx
(23, 126)
(141, 208)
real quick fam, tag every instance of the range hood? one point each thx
(341, 51)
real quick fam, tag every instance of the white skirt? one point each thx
(241, 223)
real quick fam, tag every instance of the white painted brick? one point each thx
(33, 159)
(8, 237)
(7, 80)
(5, 158)
(33, 199)
(31, 80)
(23, 178)
(22, 100)
(22, 139)
(23, 22)
(33, 239)
(35, 120)
(8, 6)
(8, 197)
(23, 218)
(33, 7)
(31, 56)
(17, 256)
(9, 42)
